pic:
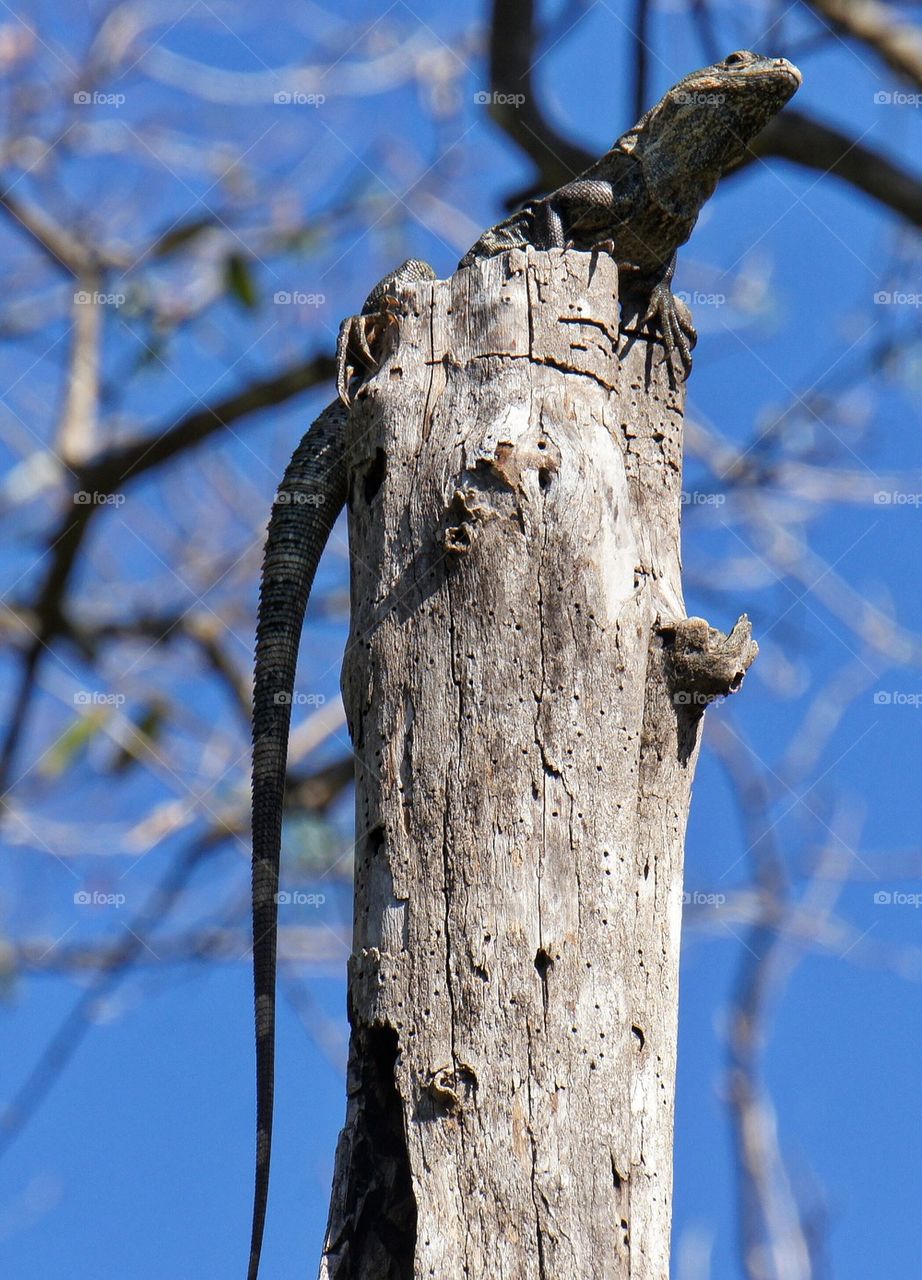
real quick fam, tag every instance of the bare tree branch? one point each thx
(60, 246)
(880, 27)
(512, 58)
(794, 136)
(107, 475)
(77, 433)
(641, 56)
(771, 1239)
(112, 965)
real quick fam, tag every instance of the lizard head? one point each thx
(703, 125)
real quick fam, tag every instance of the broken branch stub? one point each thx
(702, 663)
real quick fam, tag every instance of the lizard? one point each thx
(640, 202)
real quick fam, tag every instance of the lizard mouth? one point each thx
(781, 66)
(790, 70)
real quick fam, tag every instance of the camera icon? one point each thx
(682, 698)
(281, 99)
(883, 298)
(883, 898)
(283, 899)
(883, 98)
(82, 98)
(482, 99)
(882, 698)
(282, 297)
(883, 498)
(82, 898)
(282, 699)
(82, 498)
(82, 699)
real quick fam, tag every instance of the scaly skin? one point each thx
(310, 497)
(641, 200)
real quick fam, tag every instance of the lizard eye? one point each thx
(735, 59)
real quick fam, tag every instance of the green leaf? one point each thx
(238, 280)
(72, 744)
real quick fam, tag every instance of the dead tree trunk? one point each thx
(524, 703)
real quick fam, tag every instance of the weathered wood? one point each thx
(523, 783)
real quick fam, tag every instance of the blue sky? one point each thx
(139, 1162)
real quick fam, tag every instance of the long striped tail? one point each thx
(309, 499)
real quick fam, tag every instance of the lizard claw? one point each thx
(357, 337)
(360, 334)
(672, 318)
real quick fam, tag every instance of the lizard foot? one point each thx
(672, 318)
(358, 336)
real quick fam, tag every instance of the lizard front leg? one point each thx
(588, 205)
(658, 309)
(672, 318)
(584, 214)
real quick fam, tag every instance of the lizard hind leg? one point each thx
(359, 335)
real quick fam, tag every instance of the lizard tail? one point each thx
(308, 501)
